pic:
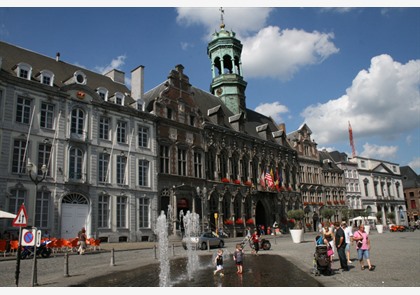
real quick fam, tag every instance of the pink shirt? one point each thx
(365, 237)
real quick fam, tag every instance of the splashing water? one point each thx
(192, 230)
(163, 242)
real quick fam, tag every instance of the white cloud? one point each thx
(267, 50)
(378, 152)
(382, 101)
(273, 110)
(415, 164)
(240, 20)
(116, 63)
(280, 54)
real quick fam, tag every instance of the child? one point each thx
(219, 262)
(238, 257)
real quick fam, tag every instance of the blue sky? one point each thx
(321, 66)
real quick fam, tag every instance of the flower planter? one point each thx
(297, 235)
(380, 228)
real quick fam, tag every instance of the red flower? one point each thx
(250, 221)
(248, 183)
(321, 204)
(228, 221)
(239, 221)
(237, 181)
(305, 203)
(225, 180)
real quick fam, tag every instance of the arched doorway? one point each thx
(74, 215)
(261, 215)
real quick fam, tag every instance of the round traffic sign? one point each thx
(28, 237)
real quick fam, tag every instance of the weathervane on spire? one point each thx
(222, 25)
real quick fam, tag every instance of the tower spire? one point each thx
(222, 25)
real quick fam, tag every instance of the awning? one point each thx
(4, 214)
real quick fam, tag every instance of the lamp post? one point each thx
(33, 175)
(202, 194)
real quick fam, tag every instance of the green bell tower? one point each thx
(224, 51)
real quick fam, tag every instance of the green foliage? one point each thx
(327, 213)
(379, 215)
(297, 215)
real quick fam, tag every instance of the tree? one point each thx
(297, 215)
(379, 215)
(327, 213)
(391, 215)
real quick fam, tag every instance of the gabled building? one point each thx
(89, 146)
(381, 188)
(231, 165)
(411, 187)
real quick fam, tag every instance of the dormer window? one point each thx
(47, 77)
(103, 93)
(24, 71)
(119, 99)
(80, 78)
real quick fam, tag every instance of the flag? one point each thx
(269, 179)
(262, 179)
(276, 180)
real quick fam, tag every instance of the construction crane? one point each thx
(353, 150)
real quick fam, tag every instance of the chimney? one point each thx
(282, 127)
(137, 83)
(116, 76)
(57, 56)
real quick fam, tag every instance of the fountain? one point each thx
(192, 229)
(163, 242)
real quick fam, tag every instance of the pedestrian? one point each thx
(238, 257)
(349, 239)
(82, 241)
(256, 242)
(363, 247)
(329, 240)
(340, 244)
(219, 262)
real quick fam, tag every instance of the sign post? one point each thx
(20, 221)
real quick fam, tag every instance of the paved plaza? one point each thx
(396, 257)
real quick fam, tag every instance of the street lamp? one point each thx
(203, 195)
(33, 175)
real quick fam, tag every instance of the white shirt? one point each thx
(348, 234)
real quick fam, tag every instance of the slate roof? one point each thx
(205, 101)
(410, 178)
(13, 55)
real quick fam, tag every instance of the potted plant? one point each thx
(250, 221)
(379, 225)
(296, 232)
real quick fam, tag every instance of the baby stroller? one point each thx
(322, 261)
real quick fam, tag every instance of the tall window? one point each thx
(44, 153)
(234, 169)
(223, 164)
(47, 115)
(144, 209)
(122, 132)
(164, 159)
(182, 162)
(143, 172)
(42, 209)
(23, 110)
(103, 162)
(211, 164)
(121, 163)
(198, 165)
(77, 121)
(245, 168)
(104, 123)
(103, 211)
(17, 198)
(143, 137)
(18, 162)
(121, 212)
(76, 164)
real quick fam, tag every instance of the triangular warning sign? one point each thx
(21, 218)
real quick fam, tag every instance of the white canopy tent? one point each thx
(4, 214)
(366, 219)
